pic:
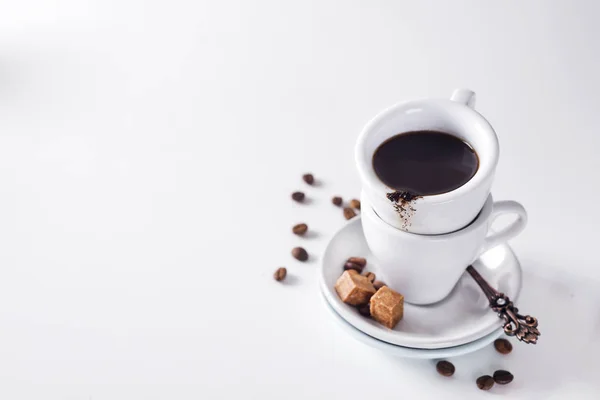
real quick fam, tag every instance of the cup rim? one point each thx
(486, 167)
(369, 212)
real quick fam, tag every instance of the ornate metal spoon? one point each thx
(515, 324)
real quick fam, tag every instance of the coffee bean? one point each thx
(352, 266)
(502, 377)
(308, 178)
(280, 274)
(365, 310)
(298, 196)
(349, 213)
(485, 382)
(370, 276)
(503, 346)
(355, 204)
(378, 285)
(300, 229)
(337, 201)
(358, 260)
(445, 368)
(299, 254)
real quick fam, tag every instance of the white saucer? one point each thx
(463, 317)
(408, 352)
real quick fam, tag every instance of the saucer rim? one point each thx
(412, 342)
(409, 352)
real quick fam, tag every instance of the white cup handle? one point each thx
(464, 96)
(509, 232)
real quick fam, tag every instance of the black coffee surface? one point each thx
(425, 162)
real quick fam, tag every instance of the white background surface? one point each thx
(147, 153)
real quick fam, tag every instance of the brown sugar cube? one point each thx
(387, 307)
(354, 289)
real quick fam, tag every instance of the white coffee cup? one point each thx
(435, 214)
(425, 268)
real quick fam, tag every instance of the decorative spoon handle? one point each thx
(524, 327)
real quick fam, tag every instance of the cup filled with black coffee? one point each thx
(427, 166)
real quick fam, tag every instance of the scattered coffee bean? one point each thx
(298, 196)
(378, 285)
(502, 377)
(503, 346)
(308, 178)
(370, 276)
(365, 310)
(337, 201)
(280, 274)
(349, 213)
(355, 204)
(299, 254)
(358, 260)
(300, 229)
(485, 382)
(352, 266)
(445, 368)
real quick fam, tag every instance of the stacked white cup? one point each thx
(424, 257)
